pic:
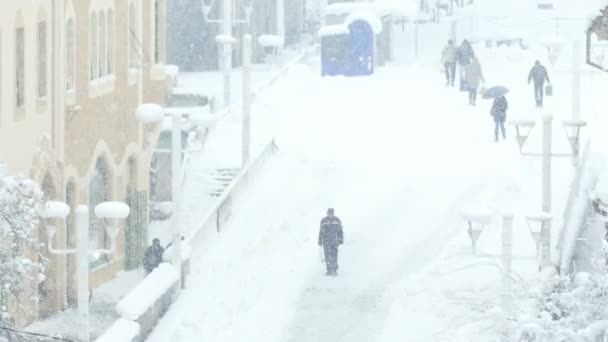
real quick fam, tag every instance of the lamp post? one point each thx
(572, 130)
(477, 218)
(539, 227)
(226, 39)
(246, 146)
(111, 211)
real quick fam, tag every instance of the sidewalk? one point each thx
(102, 309)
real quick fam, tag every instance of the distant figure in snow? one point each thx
(153, 256)
(473, 77)
(539, 75)
(499, 113)
(331, 236)
(464, 57)
(448, 58)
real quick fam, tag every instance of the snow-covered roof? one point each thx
(268, 40)
(369, 17)
(333, 30)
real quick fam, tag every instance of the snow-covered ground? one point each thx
(398, 155)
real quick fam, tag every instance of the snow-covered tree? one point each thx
(21, 264)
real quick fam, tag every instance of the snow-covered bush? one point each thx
(575, 310)
(21, 264)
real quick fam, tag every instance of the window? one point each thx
(156, 32)
(132, 36)
(19, 67)
(42, 59)
(69, 54)
(102, 44)
(110, 57)
(99, 191)
(93, 51)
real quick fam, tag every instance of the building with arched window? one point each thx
(72, 74)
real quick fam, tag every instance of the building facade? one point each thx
(72, 75)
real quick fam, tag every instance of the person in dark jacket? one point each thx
(331, 236)
(539, 75)
(499, 113)
(153, 256)
(464, 57)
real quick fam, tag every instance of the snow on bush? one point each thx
(147, 292)
(573, 310)
(21, 263)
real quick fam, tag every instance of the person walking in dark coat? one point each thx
(153, 256)
(331, 236)
(499, 113)
(539, 75)
(448, 58)
(464, 57)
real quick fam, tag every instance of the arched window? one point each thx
(99, 191)
(42, 59)
(102, 44)
(69, 54)
(110, 57)
(93, 49)
(133, 40)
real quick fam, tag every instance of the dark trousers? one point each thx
(331, 257)
(472, 96)
(450, 72)
(539, 92)
(499, 125)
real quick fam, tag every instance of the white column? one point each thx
(82, 247)
(507, 253)
(227, 49)
(246, 99)
(576, 79)
(176, 167)
(546, 189)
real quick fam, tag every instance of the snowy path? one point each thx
(396, 154)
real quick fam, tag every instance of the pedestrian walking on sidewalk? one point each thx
(499, 113)
(464, 57)
(539, 75)
(153, 256)
(473, 77)
(448, 59)
(331, 236)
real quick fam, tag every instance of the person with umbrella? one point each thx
(499, 109)
(539, 75)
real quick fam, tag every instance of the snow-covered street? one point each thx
(397, 155)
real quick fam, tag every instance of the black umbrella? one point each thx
(494, 92)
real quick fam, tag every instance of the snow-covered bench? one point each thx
(150, 299)
(123, 330)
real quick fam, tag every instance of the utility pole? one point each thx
(546, 189)
(246, 99)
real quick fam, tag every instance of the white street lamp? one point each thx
(572, 130)
(539, 227)
(226, 39)
(111, 211)
(477, 218)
